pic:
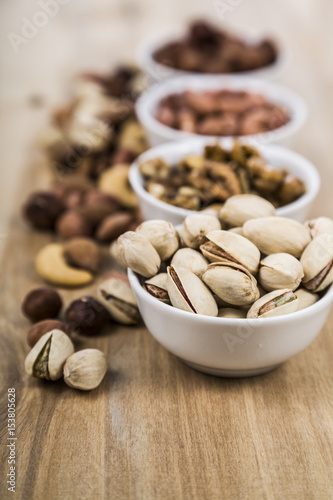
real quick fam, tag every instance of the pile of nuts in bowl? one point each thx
(201, 181)
(260, 265)
(206, 49)
(221, 113)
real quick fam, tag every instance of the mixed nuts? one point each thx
(273, 268)
(209, 180)
(208, 49)
(221, 113)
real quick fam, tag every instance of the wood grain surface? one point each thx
(155, 429)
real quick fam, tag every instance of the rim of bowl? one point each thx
(147, 62)
(136, 180)
(315, 308)
(147, 104)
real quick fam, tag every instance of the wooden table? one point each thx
(156, 429)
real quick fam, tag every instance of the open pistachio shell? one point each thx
(317, 262)
(134, 251)
(119, 300)
(195, 227)
(188, 292)
(224, 246)
(275, 303)
(242, 207)
(279, 271)
(190, 259)
(232, 283)
(157, 286)
(162, 235)
(277, 235)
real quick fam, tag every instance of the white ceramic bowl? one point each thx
(157, 133)
(157, 71)
(231, 347)
(278, 156)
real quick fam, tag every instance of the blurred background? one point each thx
(87, 36)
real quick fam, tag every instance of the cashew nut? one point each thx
(51, 265)
(114, 181)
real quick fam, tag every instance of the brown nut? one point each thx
(97, 205)
(83, 253)
(41, 303)
(39, 329)
(72, 224)
(113, 226)
(42, 210)
(86, 316)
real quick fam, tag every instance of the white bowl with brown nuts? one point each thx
(175, 180)
(232, 303)
(215, 106)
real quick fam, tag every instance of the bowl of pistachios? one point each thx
(232, 302)
(175, 180)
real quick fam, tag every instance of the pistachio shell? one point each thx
(279, 271)
(319, 226)
(223, 246)
(277, 235)
(119, 300)
(195, 227)
(317, 262)
(162, 235)
(134, 251)
(190, 259)
(305, 298)
(275, 303)
(188, 292)
(232, 283)
(157, 286)
(240, 208)
(231, 312)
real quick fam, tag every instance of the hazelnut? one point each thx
(39, 329)
(72, 224)
(41, 303)
(113, 226)
(42, 210)
(83, 253)
(86, 316)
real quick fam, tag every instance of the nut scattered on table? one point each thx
(48, 356)
(86, 316)
(41, 303)
(223, 176)
(42, 327)
(117, 297)
(85, 369)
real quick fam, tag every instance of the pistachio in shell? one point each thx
(317, 262)
(232, 283)
(305, 298)
(190, 259)
(276, 303)
(195, 227)
(162, 235)
(319, 226)
(280, 270)
(277, 235)
(189, 293)
(240, 208)
(133, 250)
(117, 297)
(157, 287)
(224, 246)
